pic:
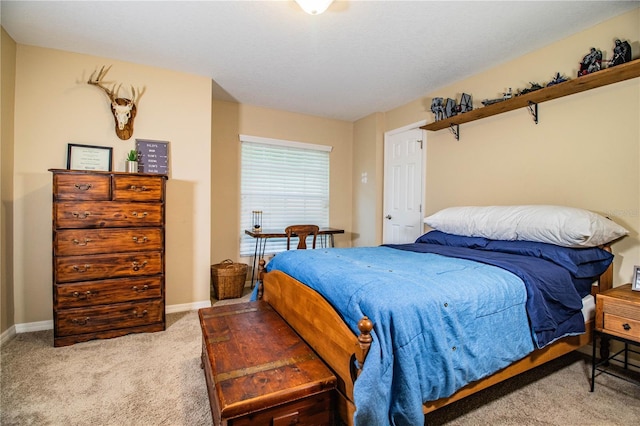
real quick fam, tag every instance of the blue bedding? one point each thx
(553, 303)
(438, 313)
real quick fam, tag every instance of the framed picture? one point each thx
(153, 156)
(635, 285)
(89, 157)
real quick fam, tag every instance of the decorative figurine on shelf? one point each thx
(505, 96)
(591, 62)
(466, 104)
(621, 53)
(450, 108)
(533, 88)
(557, 79)
(446, 109)
(437, 108)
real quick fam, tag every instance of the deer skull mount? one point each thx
(124, 109)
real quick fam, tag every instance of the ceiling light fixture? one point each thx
(314, 7)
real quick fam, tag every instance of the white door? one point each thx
(403, 180)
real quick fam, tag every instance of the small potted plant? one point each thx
(132, 161)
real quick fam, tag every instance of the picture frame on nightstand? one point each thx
(635, 284)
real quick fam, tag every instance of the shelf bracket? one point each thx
(455, 129)
(533, 109)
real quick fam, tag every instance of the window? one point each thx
(287, 181)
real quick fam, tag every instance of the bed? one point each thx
(410, 328)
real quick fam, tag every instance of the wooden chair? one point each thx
(302, 232)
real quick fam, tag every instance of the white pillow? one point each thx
(562, 226)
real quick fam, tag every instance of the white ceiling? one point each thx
(357, 58)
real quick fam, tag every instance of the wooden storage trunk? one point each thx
(260, 372)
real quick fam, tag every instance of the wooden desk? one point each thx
(264, 234)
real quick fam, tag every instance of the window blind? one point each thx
(288, 182)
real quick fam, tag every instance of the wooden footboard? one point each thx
(315, 320)
(320, 326)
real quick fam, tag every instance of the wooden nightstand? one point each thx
(618, 318)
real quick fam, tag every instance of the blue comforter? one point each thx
(553, 303)
(419, 304)
(438, 313)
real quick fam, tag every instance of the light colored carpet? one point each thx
(155, 379)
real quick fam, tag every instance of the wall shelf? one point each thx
(532, 99)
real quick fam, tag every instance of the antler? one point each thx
(134, 98)
(97, 81)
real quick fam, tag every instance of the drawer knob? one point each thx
(139, 215)
(140, 240)
(84, 268)
(136, 266)
(82, 215)
(626, 326)
(82, 295)
(141, 314)
(80, 321)
(83, 186)
(138, 189)
(81, 243)
(138, 290)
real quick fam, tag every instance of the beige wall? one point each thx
(583, 153)
(368, 158)
(7, 99)
(55, 107)
(231, 120)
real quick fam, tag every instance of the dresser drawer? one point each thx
(81, 187)
(69, 242)
(139, 188)
(101, 266)
(103, 318)
(83, 294)
(106, 214)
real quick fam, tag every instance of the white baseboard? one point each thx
(8, 335)
(34, 326)
(188, 306)
(48, 325)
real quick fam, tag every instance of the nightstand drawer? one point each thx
(617, 307)
(621, 326)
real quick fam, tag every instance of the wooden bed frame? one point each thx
(315, 320)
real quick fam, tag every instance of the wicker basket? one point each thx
(227, 279)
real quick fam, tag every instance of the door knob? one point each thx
(388, 217)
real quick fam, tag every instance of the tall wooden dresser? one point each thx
(108, 254)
